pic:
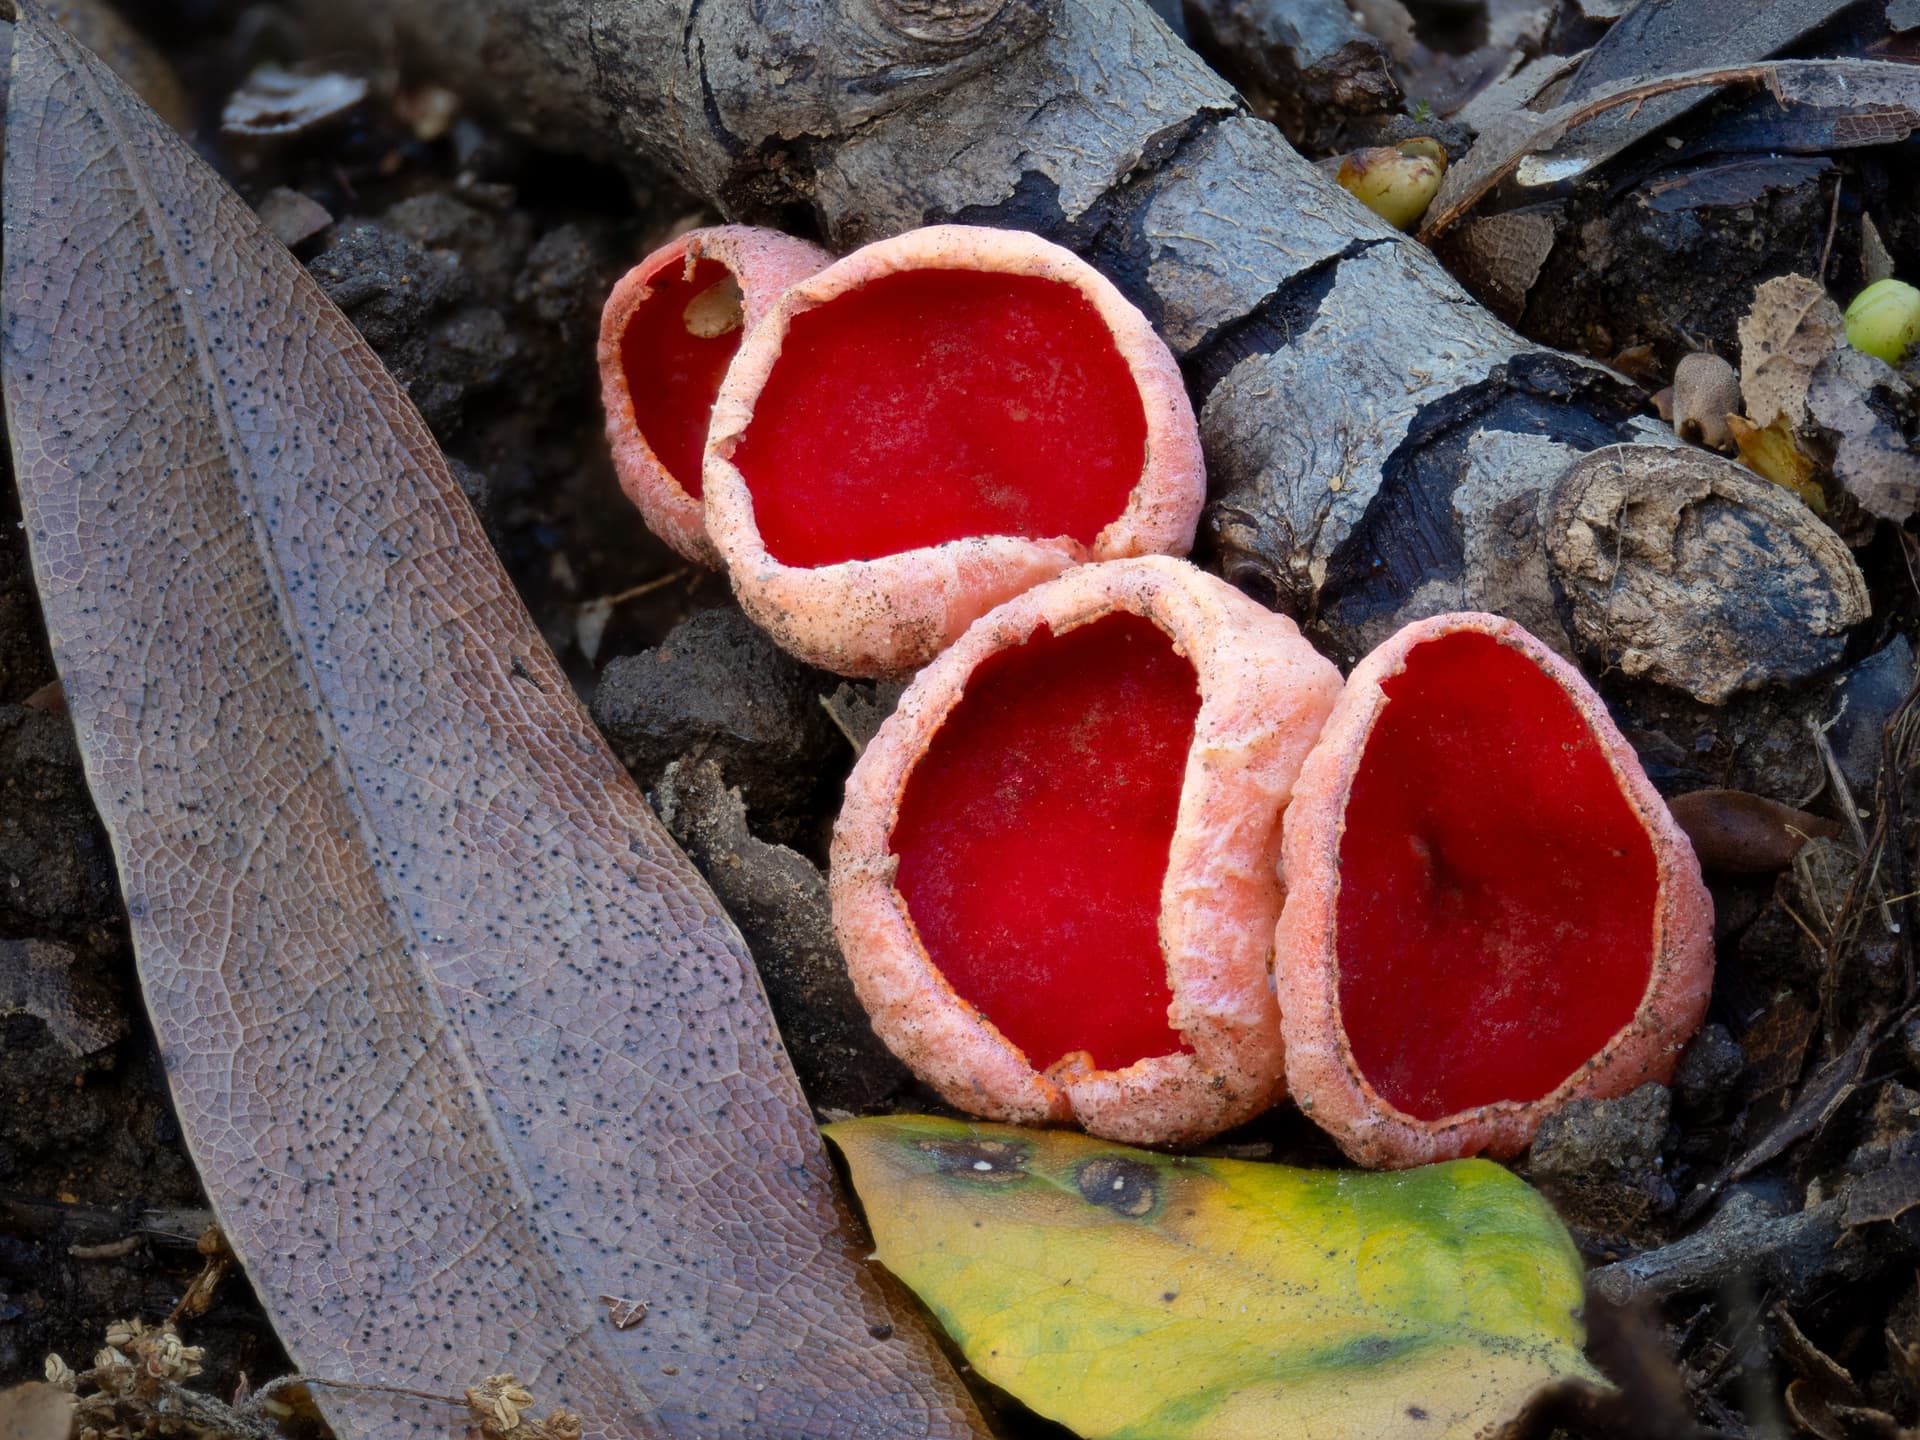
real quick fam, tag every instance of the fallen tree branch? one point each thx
(1366, 422)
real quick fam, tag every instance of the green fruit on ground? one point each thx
(1884, 320)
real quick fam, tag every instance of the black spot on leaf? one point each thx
(996, 1162)
(1127, 1187)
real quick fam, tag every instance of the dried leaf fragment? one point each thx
(717, 310)
(1735, 832)
(291, 216)
(1775, 453)
(499, 1404)
(1499, 257)
(1791, 327)
(275, 102)
(1851, 396)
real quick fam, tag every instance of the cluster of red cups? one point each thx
(1129, 854)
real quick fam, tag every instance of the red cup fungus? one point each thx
(1489, 911)
(929, 427)
(1055, 878)
(667, 334)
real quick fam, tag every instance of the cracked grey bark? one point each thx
(1342, 376)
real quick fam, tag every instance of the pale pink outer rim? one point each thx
(1264, 693)
(764, 263)
(1321, 1070)
(890, 615)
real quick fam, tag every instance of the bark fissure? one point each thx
(1270, 325)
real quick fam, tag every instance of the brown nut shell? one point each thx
(763, 264)
(1322, 1070)
(891, 614)
(1263, 694)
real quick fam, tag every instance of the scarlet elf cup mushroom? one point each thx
(1489, 911)
(1054, 878)
(932, 425)
(667, 334)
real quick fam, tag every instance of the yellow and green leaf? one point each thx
(1135, 1296)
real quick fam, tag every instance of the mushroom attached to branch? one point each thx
(1489, 910)
(1055, 877)
(668, 332)
(932, 425)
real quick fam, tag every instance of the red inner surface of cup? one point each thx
(933, 405)
(1495, 923)
(673, 373)
(1034, 832)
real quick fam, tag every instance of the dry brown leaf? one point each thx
(1888, 1192)
(291, 216)
(1498, 257)
(1876, 263)
(1877, 101)
(459, 1040)
(1738, 833)
(1790, 328)
(1871, 459)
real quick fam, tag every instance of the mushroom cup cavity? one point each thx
(932, 425)
(669, 330)
(1055, 876)
(1489, 910)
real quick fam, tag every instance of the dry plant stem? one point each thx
(1745, 1239)
(1844, 931)
(1328, 350)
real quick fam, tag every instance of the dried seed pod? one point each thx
(1738, 833)
(1396, 182)
(668, 332)
(932, 425)
(1489, 910)
(1055, 878)
(1706, 389)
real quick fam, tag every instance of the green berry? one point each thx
(1884, 320)
(1396, 182)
